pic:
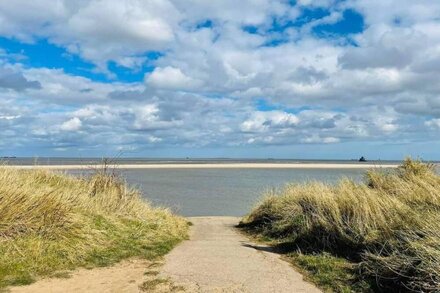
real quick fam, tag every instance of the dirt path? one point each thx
(125, 277)
(217, 258)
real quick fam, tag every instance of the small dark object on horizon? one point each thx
(362, 159)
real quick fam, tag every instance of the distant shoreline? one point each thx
(214, 166)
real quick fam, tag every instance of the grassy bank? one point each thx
(52, 222)
(381, 235)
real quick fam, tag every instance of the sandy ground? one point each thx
(125, 277)
(217, 258)
(219, 166)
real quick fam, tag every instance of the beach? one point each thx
(213, 166)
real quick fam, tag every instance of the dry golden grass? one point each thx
(390, 225)
(51, 222)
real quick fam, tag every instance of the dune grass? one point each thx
(52, 222)
(386, 230)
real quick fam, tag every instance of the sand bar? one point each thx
(215, 166)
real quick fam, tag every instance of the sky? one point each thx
(310, 79)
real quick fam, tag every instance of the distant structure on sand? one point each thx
(362, 159)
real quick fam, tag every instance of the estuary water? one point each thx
(220, 192)
(208, 192)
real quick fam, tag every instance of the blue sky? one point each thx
(281, 79)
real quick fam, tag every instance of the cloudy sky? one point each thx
(220, 78)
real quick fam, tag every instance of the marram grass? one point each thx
(52, 222)
(389, 226)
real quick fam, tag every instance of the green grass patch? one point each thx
(333, 274)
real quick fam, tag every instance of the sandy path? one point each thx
(217, 258)
(125, 277)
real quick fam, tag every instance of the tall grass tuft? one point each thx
(51, 222)
(389, 225)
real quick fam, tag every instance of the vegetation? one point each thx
(386, 230)
(334, 274)
(52, 222)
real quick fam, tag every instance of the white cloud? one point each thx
(388, 127)
(318, 139)
(15, 21)
(73, 124)
(99, 31)
(171, 78)
(9, 117)
(207, 82)
(269, 121)
(147, 118)
(433, 123)
(118, 30)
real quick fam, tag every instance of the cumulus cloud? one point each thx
(147, 118)
(269, 121)
(73, 124)
(222, 76)
(99, 31)
(171, 78)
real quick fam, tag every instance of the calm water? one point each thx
(220, 192)
(205, 192)
(134, 161)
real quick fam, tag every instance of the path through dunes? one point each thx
(217, 258)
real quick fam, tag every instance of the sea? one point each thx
(208, 192)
